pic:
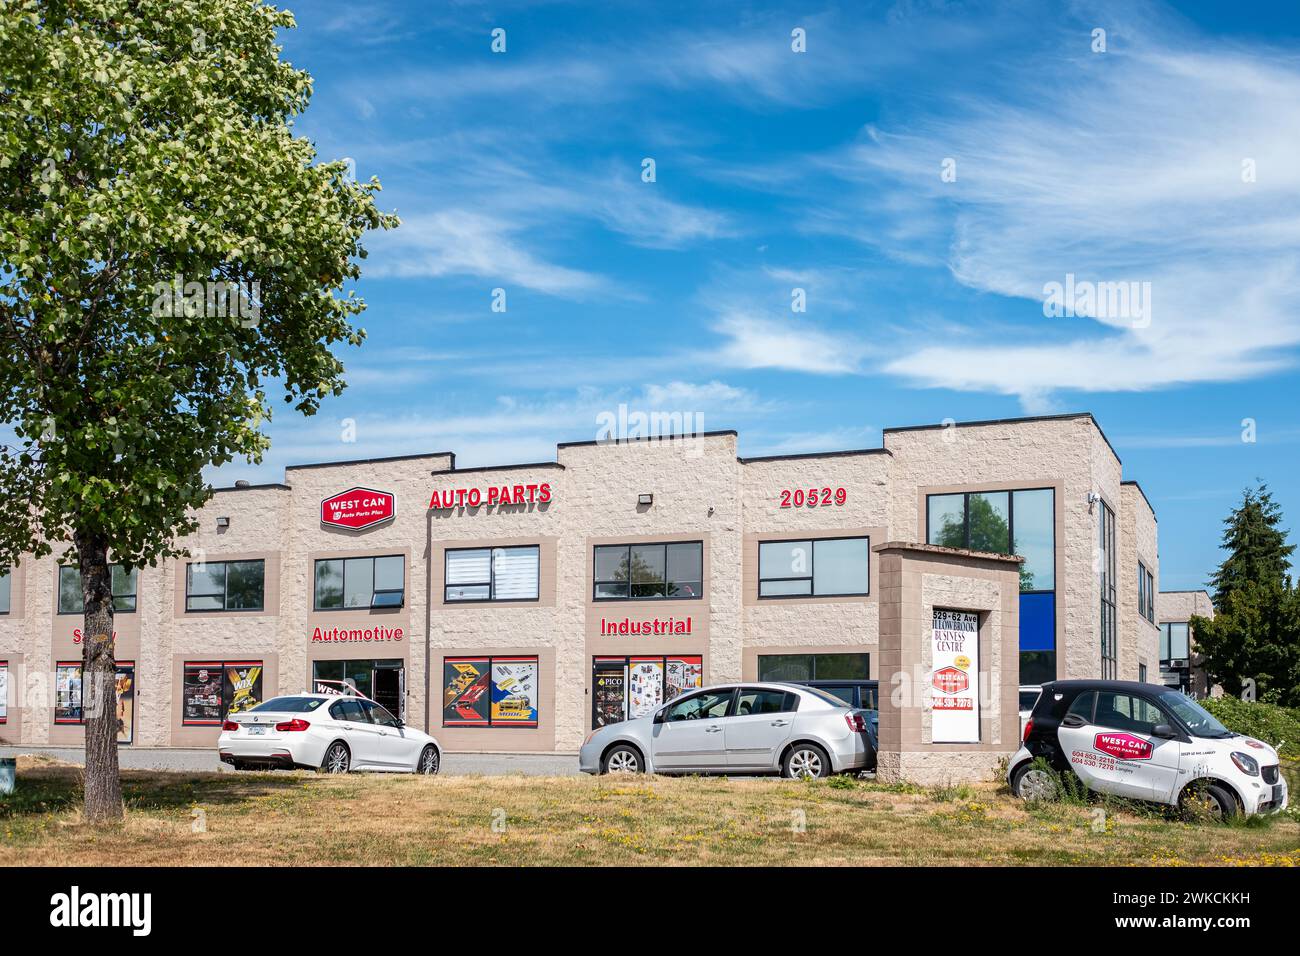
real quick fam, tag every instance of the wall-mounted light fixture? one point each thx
(645, 499)
(1093, 498)
(223, 522)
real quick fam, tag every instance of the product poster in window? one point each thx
(67, 694)
(609, 693)
(684, 673)
(201, 695)
(465, 696)
(514, 691)
(954, 678)
(4, 691)
(645, 680)
(242, 687)
(125, 703)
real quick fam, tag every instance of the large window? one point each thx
(492, 574)
(647, 572)
(1175, 641)
(1106, 576)
(124, 586)
(779, 667)
(225, 586)
(211, 690)
(5, 587)
(625, 688)
(1146, 593)
(351, 583)
(495, 691)
(816, 567)
(70, 697)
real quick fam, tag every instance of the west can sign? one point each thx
(954, 680)
(1123, 746)
(357, 509)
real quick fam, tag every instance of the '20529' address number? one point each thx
(813, 497)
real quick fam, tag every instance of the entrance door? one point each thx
(387, 685)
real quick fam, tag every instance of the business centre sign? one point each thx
(954, 678)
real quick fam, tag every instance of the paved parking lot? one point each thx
(492, 765)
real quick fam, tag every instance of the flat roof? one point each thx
(375, 461)
(1133, 482)
(797, 456)
(520, 467)
(1029, 419)
(649, 438)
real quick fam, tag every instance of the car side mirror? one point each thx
(1164, 732)
(661, 715)
(398, 722)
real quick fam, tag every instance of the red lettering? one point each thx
(545, 495)
(475, 496)
(493, 492)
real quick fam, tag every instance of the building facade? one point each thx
(513, 608)
(1180, 665)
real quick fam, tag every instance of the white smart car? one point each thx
(1146, 742)
(332, 733)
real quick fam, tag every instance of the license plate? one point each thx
(255, 730)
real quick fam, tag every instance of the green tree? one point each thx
(169, 250)
(1255, 634)
(1256, 545)
(989, 531)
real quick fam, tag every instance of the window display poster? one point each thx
(125, 702)
(645, 681)
(609, 694)
(241, 686)
(4, 691)
(67, 694)
(514, 691)
(684, 673)
(954, 680)
(201, 694)
(465, 696)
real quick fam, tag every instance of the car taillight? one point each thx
(229, 727)
(290, 725)
(1029, 725)
(857, 723)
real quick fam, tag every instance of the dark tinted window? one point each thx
(1027, 699)
(291, 705)
(844, 693)
(1126, 712)
(348, 709)
(752, 700)
(1082, 706)
(378, 714)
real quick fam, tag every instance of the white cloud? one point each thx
(754, 341)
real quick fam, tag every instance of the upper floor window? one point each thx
(492, 574)
(647, 572)
(816, 567)
(225, 586)
(1106, 579)
(1004, 522)
(5, 587)
(1146, 593)
(360, 583)
(124, 586)
(1175, 641)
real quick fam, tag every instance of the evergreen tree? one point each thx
(1256, 545)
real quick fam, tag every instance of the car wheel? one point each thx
(1033, 783)
(622, 759)
(337, 758)
(806, 761)
(1211, 800)
(429, 761)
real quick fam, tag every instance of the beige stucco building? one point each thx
(511, 608)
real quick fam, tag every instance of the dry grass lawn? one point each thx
(302, 818)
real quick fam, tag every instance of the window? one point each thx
(1175, 640)
(1146, 593)
(624, 688)
(490, 691)
(367, 583)
(123, 582)
(212, 690)
(1126, 712)
(492, 574)
(1106, 542)
(1082, 706)
(779, 667)
(641, 572)
(290, 705)
(707, 706)
(70, 696)
(1142, 673)
(377, 714)
(225, 586)
(1019, 522)
(752, 700)
(816, 567)
(348, 709)
(4, 692)
(5, 587)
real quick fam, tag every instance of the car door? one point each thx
(761, 722)
(1107, 738)
(392, 746)
(358, 731)
(691, 735)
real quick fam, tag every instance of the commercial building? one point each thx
(1180, 665)
(513, 608)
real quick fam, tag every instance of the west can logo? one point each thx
(76, 909)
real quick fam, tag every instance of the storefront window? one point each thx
(383, 681)
(643, 572)
(492, 574)
(344, 583)
(68, 697)
(124, 586)
(225, 586)
(4, 692)
(817, 567)
(212, 690)
(779, 667)
(489, 691)
(4, 590)
(625, 688)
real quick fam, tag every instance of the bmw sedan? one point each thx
(753, 728)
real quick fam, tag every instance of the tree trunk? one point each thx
(103, 794)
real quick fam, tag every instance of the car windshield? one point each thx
(1198, 720)
(290, 705)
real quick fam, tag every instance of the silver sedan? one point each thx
(743, 728)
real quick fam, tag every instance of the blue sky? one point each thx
(820, 170)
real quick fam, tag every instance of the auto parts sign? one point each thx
(954, 677)
(1123, 746)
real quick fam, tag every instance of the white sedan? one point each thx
(331, 733)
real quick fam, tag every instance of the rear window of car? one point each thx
(843, 691)
(828, 698)
(1028, 698)
(290, 705)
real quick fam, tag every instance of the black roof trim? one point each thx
(375, 461)
(1185, 591)
(816, 454)
(1029, 419)
(633, 441)
(278, 486)
(470, 471)
(1133, 482)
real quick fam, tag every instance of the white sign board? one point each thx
(954, 679)
(4, 691)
